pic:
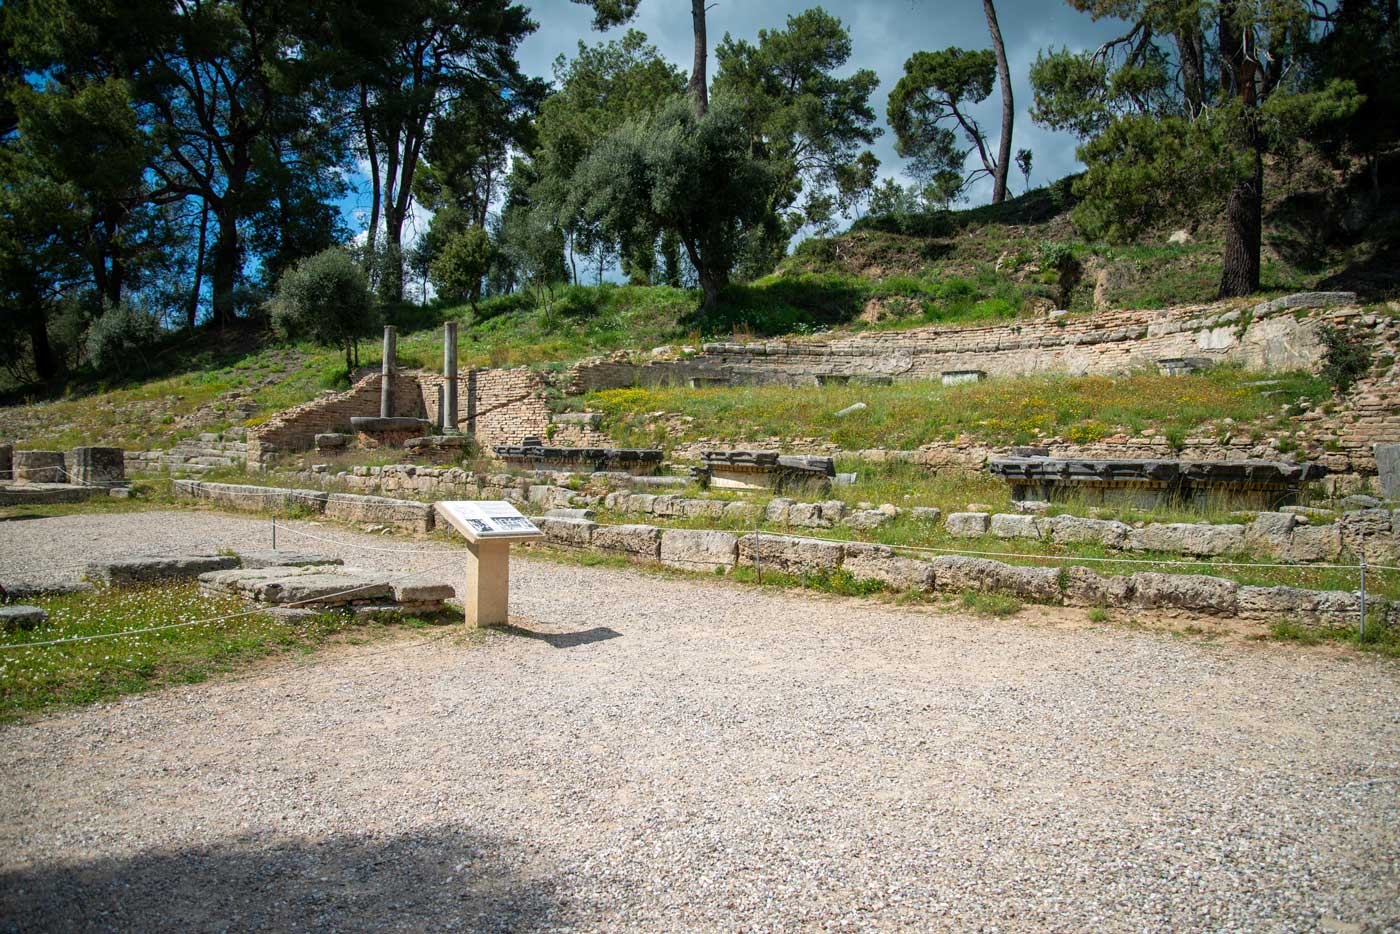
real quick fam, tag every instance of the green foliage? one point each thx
(88, 672)
(933, 97)
(990, 604)
(326, 299)
(457, 271)
(1346, 357)
(905, 416)
(675, 171)
(118, 341)
(809, 124)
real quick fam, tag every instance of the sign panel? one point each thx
(480, 520)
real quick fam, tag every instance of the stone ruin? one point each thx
(534, 454)
(763, 470)
(48, 477)
(291, 584)
(1247, 484)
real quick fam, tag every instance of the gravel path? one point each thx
(651, 753)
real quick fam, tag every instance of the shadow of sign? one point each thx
(561, 640)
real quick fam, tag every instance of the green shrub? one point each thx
(1346, 359)
(325, 298)
(118, 341)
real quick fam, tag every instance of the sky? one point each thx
(884, 33)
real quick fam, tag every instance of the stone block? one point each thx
(641, 540)
(955, 573)
(97, 466)
(968, 524)
(283, 558)
(878, 562)
(925, 513)
(1366, 529)
(1188, 538)
(1387, 469)
(865, 519)
(1272, 529)
(1012, 525)
(17, 617)
(1086, 587)
(421, 593)
(406, 514)
(7, 462)
(641, 503)
(776, 512)
(142, 569)
(1064, 530)
(834, 510)
(789, 554)
(1311, 543)
(698, 549)
(703, 508)
(1196, 592)
(39, 467)
(567, 531)
(307, 587)
(808, 516)
(560, 512)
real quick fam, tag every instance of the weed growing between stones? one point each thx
(87, 672)
(990, 604)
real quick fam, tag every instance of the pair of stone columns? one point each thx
(447, 395)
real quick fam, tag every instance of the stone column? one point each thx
(386, 381)
(449, 370)
(440, 427)
(7, 453)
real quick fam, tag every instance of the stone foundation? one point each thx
(39, 467)
(93, 466)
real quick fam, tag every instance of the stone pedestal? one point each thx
(487, 598)
(39, 467)
(7, 456)
(93, 466)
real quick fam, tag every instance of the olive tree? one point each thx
(326, 299)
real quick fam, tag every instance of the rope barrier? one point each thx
(350, 544)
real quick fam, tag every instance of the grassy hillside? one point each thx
(904, 416)
(989, 263)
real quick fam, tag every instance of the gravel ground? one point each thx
(652, 753)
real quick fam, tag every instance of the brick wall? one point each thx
(497, 406)
(1275, 335)
(296, 428)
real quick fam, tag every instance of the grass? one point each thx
(88, 672)
(1080, 409)
(1380, 638)
(990, 604)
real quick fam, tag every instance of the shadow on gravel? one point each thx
(561, 640)
(424, 881)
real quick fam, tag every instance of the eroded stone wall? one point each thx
(1281, 334)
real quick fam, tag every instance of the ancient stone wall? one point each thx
(1281, 334)
(296, 428)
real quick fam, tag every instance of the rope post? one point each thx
(274, 531)
(1362, 637)
(757, 548)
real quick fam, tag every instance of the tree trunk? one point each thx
(39, 345)
(1244, 226)
(192, 309)
(1190, 47)
(225, 272)
(711, 281)
(1008, 105)
(373, 155)
(698, 89)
